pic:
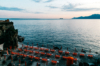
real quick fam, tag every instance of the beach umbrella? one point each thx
(82, 50)
(32, 51)
(47, 45)
(61, 47)
(75, 49)
(32, 45)
(46, 62)
(22, 45)
(37, 64)
(5, 57)
(25, 63)
(90, 50)
(19, 61)
(15, 47)
(7, 52)
(11, 58)
(69, 61)
(37, 44)
(27, 44)
(10, 47)
(67, 48)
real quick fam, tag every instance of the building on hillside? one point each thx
(4, 25)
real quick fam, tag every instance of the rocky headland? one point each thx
(9, 35)
(93, 16)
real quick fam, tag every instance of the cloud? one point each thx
(72, 7)
(52, 6)
(18, 9)
(69, 6)
(10, 8)
(37, 1)
(38, 12)
(49, 1)
(82, 9)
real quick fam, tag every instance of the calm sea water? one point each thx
(66, 33)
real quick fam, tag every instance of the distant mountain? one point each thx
(93, 16)
(29, 18)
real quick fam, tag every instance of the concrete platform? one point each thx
(55, 56)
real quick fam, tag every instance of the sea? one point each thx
(68, 33)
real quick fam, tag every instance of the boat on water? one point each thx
(43, 56)
(60, 18)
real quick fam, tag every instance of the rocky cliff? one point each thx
(8, 34)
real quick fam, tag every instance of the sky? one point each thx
(48, 8)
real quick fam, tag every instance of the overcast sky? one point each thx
(48, 8)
